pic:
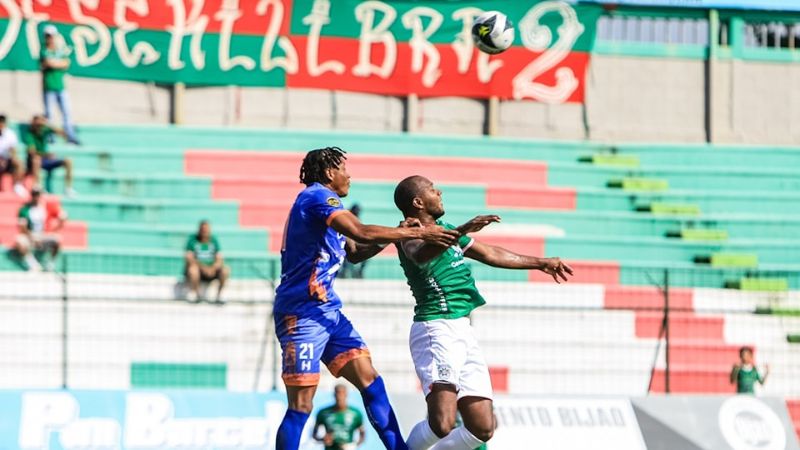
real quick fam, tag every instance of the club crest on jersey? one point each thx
(333, 201)
(444, 371)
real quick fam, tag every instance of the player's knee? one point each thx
(193, 272)
(483, 432)
(441, 426)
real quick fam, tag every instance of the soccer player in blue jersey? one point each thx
(318, 236)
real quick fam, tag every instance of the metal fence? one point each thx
(618, 331)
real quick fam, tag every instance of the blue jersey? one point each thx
(312, 254)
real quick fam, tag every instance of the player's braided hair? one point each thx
(317, 162)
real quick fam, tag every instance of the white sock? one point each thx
(421, 437)
(458, 439)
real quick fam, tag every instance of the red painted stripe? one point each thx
(528, 245)
(640, 297)
(285, 166)
(681, 325)
(593, 272)
(690, 380)
(74, 235)
(530, 197)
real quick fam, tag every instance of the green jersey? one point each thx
(204, 252)
(443, 287)
(341, 424)
(35, 217)
(38, 141)
(746, 379)
(53, 79)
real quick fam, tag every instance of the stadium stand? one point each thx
(617, 212)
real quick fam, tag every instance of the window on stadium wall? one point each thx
(653, 29)
(772, 35)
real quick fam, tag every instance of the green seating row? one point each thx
(126, 210)
(396, 144)
(142, 184)
(167, 236)
(174, 186)
(611, 223)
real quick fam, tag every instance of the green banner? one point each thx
(391, 47)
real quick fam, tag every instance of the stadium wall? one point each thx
(627, 99)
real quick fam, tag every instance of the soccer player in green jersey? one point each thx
(745, 374)
(447, 359)
(337, 424)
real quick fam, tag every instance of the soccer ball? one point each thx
(492, 32)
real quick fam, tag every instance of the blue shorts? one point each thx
(320, 336)
(49, 164)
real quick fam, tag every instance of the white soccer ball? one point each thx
(492, 32)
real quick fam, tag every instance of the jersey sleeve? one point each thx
(359, 421)
(190, 244)
(217, 248)
(324, 206)
(464, 241)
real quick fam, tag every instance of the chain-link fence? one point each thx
(643, 330)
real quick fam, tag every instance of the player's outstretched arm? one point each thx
(357, 252)
(506, 259)
(348, 224)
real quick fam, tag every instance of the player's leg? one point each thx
(222, 276)
(300, 399)
(35, 167)
(346, 355)
(474, 397)
(438, 354)
(192, 273)
(68, 175)
(18, 174)
(441, 417)
(302, 341)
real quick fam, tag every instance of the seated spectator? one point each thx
(36, 233)
(36, 140)
(745, 374)
(204, 262)
(9, 163)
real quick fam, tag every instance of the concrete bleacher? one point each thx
(143, 190)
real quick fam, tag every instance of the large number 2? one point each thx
(307, 351)
(537, 37)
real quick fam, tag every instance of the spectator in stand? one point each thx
(745, 374)
(337, 424)
(204, 262)
(54, 63)
(36, 139)
(9, 163)
(350, 270)
(36, 234)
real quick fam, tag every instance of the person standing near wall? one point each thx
(745, 374)
(54, 63)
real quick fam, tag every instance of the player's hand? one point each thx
(410, 222)
(556, 268)
(328, 440)
(439, 235)
(478, 223)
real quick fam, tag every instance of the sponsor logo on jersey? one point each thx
(333, 201)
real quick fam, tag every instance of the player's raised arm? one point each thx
(500, 257)
(421, 252)
(348, 224)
